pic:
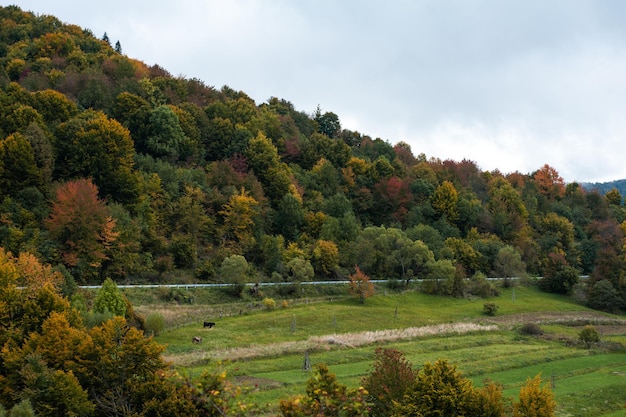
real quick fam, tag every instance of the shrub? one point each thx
(490, 309)
(269, 303)
(531, 329)
(155, 323)
(589, 335)
(284, 304)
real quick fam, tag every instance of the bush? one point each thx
(269, 303)
(490, 309)
(479, 286)
(589, 335)
(155, 323)
(531, 329)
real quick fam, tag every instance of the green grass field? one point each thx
(267, 348)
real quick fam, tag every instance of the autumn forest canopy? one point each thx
(110, 168)
(114, 171)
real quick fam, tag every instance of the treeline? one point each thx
(110, 168)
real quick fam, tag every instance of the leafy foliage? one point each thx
(114, 168)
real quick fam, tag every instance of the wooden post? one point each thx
(306, 366)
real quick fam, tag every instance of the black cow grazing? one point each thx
(209, 324)
(196, 339)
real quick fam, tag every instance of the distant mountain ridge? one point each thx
(604, 187)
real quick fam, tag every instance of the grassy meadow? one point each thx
(265, 349)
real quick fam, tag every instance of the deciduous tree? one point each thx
(387, 382)
(360, 285)
(82, 225)
(91, 145)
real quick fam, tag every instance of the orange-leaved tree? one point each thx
(360, 285)
(81, 223)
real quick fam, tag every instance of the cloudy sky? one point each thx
(509, 84)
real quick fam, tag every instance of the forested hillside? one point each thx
(110, 168)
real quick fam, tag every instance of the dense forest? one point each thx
(110, 168)
(115, 171)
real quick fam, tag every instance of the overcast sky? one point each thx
(509, 84)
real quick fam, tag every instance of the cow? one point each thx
(209, 324)
(196, 339)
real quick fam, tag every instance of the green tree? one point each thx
(289, 217)
(110, 299)
(327, 123)
(264, 160)
(508, 263)
(234, 270)
(614, 197)
(507, 209)
(54, 392)
(300, 270)
(91, 145)
(18, 167)
(166, 137)
(439, 279)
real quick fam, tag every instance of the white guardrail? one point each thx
(268, 284)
